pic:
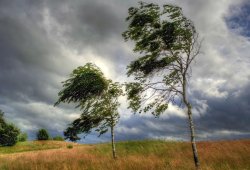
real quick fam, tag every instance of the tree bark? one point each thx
(191, 124)
(113, 141)
(194, 148)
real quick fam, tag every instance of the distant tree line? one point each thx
(11, 134)
(43, 134)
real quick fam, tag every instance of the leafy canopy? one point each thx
(42, 134)
(98, 114)
(84, 83)
(8, 132)
(167, 43)
(96, 96)
(22, 137)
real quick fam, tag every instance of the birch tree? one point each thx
(97, 98)
(167, 43)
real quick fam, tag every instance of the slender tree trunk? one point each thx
(194, 148)
(191, 125)
(113, 141)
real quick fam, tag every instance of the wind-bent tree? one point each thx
(168, 43)
(97, 97)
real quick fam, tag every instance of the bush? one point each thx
(58, 138)
(8, 135)
(8, 132)
(69, 146)
(22, 137)
(42, 134)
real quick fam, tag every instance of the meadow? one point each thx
(132, 155)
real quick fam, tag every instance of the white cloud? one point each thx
(128, 131)
(210, 87)
(36, 115)
(220, 134)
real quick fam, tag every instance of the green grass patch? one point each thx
(144, 147)
(29, 146)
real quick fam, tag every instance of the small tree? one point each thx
(97, 97)
(8, 132)
(42, 134)
(22, 137)
(168, 43)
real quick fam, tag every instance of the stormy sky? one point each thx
(42, 41)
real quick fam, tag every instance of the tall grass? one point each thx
(32, 146)
(133, 155)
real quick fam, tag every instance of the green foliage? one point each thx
(8, 135)
(133, 95)
(99, 114)
(69, 146)
(42, 134)
(22, 137)
(96, 96)
(32, 146)
(84, 83)
(58, 138)
(167, 43)
(71, 133)
(8, 132)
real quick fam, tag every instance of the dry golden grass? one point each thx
(134, 155)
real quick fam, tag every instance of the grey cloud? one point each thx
(140, 127)
(226, 114)
(31, 68)
(31, 116)
(238, 19)
(90, 22)
(94, 26)
(22, 60)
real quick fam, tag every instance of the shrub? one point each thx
(22, 137)
(42, 134)
(70, 146)
(58, 138)
(8, 135)
(8, 132)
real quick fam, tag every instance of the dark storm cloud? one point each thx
(225, 118)
(23, 55)
(30, 67)
(89, 22)
(230, 114)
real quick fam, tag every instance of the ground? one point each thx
(132, 155)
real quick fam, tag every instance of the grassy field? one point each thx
(132, 155)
